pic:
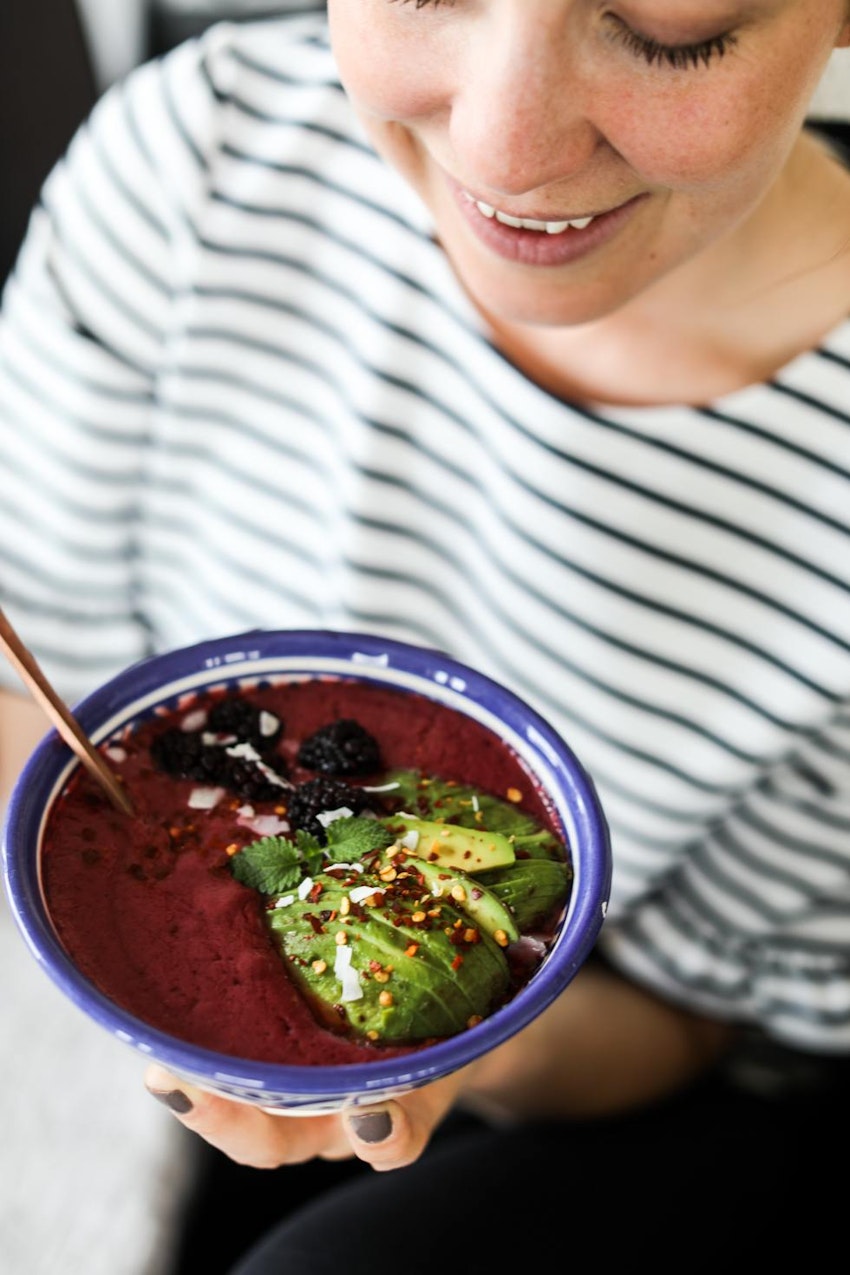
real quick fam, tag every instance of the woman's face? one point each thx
(667, 122)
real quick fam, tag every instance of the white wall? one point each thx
(832, 100)
(116, 32)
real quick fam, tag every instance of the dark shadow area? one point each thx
(47, 87)
(836, 131)
(170, 26)
(232, 1207)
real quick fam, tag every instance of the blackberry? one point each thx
(178, 752)
(246, 779)
(235, 716)
(314, 796)
(185, 755)
(343, 747)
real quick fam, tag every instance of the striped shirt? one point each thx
(242, 387)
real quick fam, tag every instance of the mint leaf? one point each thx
(270, 865)
(352, 836)
(310, 851)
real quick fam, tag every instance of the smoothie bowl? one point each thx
(354, 866)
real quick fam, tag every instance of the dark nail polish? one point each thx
(375, 1126)
(174, 1099)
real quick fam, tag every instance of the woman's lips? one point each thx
(555, 243)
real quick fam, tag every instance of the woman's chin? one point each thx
(565, 305)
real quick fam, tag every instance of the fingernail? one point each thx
(375, 1126)
(174, 1099)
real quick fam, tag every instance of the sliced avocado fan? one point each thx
(411, 940)
(384, 958)
(538, 880)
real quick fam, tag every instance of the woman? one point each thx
(561, 386)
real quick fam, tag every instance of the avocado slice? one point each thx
(532, 888)
(404, 983)
(449, 846)
(469, 807)
(480, 904)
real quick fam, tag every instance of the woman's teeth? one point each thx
(527, 223)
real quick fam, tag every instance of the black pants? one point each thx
(711, 1179)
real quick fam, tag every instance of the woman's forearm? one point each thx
(22, 725)
(604, 1046)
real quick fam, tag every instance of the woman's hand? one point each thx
(603, 1047)
(387, 1135)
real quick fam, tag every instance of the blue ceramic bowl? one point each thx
(246, 658)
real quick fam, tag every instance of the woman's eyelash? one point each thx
(678, 56)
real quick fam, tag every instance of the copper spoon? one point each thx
(61, 717)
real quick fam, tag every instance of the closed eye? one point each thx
(678, 56)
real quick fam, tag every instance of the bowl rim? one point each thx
(369, 657)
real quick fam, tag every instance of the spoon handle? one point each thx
(60, 715)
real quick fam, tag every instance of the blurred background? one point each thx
(95, 1178)
(56, 56)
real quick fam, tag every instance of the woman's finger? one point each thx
(392, 1134)
(246, 1133)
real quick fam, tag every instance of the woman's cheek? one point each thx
(386, 72)
(690, 142)
(390, 103)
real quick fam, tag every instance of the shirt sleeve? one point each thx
(754, 924)
(85, 334)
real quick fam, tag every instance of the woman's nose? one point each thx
(519, 115)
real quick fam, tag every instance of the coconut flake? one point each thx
(410, 840)
(329, 816)
(383, 787)
(246, 812)
(249, 753)
(305, 887)
(285, 900)
(116, 754)
(475, 803)
(265, 825)
(268, 723)
(361, 892)
(346, 867)
(351, 987)
(205, 798)
(217, 738)
(194, 721)
(349, 977)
